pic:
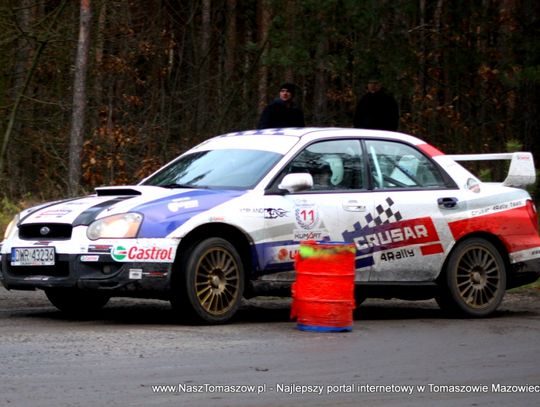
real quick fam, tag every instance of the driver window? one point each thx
(396, 165)
(334, 165)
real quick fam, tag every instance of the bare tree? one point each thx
(230, 38)
(465, 75)
(204, 69)
(263, 17)
(21, 86)
(79, 98)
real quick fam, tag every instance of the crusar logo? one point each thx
(137, 253)
(397, 234)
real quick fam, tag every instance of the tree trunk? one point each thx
(320, 116)
(204, 71)
(230, 40)
(79, 98)
(98, 52)
(263, 14)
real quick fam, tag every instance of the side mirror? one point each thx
(296, 182)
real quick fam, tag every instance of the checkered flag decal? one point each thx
(385, 214)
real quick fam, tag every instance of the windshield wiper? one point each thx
(174, 185)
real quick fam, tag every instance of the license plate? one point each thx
(32, 256)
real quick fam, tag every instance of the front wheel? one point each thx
(209, 284)
(475, 279)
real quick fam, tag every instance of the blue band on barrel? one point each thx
(312, 328)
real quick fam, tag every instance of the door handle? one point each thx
(447, 202)
(354, 206)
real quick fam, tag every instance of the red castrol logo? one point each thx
(143, 254)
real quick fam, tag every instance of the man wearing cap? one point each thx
(376, 109)
(282, 112)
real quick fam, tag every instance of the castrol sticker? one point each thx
(143, 253)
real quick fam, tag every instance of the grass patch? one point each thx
(531, 286)
(9, 208)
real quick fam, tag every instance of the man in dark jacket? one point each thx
(282, 112)
(376, 109)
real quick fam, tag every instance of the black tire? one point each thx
(359, 296)
(210, 282)
(475, 279)
(76, 302)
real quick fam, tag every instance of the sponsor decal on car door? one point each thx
(292, 219)
(406, 236)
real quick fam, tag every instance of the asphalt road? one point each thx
(398, 354)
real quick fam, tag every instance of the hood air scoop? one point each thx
(117, 191)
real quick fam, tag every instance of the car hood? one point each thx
(163, 209)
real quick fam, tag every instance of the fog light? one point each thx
(107, 269)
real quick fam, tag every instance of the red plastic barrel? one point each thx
(323, 292)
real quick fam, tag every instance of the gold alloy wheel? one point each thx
(217, 281)
(478, 277)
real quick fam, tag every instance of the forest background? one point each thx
(123, 86)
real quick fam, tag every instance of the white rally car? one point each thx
(225, 219)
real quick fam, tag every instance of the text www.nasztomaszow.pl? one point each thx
(344, 388)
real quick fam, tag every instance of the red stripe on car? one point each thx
(431, 249)
(513, 227)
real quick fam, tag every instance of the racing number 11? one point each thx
(308, 215)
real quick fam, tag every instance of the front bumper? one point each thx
(90, 272)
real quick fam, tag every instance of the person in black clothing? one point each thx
(376, 109)
(282, 112)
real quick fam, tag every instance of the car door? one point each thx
(322, 213)
(407, 233)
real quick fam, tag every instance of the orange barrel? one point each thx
(323, 291)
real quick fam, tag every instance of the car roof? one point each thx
(283, 139)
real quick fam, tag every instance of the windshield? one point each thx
(216, 169)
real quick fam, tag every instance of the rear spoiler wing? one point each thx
(521, 172)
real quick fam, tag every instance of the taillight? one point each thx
(531, 209)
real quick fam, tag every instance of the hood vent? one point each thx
(117, 191)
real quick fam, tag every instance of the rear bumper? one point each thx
(524, 272)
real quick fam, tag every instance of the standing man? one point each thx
(376, 109)
(282, 112)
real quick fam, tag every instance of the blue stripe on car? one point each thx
(161, 218)
(271, 264)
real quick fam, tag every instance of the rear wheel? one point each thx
(76, 302)
(210, 283)
(475, 279)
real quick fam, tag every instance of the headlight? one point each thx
(125, 225)
(12, 227)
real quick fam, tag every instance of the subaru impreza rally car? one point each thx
(225, 220)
